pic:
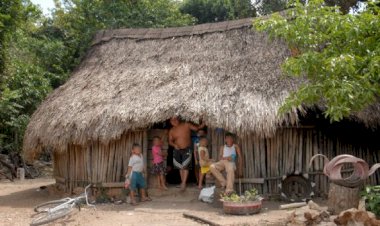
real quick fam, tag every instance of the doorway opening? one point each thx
(172, 175)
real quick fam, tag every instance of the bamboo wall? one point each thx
(289, 150)
(96, 163)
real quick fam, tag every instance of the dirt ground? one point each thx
(17, 200)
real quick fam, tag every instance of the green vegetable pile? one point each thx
(249, 195)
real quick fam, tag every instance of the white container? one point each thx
(21, 173)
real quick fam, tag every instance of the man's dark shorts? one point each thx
(182, 158)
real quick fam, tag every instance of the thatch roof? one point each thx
(225, 73)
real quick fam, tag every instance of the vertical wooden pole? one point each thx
(144, 138)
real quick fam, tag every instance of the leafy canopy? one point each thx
(206, 11)
(9, 19)
(78, 20)
(26, 77)
(37, 53)
(338, 53)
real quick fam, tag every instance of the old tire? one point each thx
(296, 188)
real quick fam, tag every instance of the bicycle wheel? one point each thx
(46, 217)
(48, 205)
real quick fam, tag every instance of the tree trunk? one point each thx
(342, 198)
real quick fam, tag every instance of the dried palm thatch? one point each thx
(225, 73)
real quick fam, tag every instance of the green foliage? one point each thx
(23, 84)
(39, 52)
(344, 5)
(265, 7)
(218, 10)
(78, 20)
(9, 19)
(372, 198)
(8, 109)
(338, 53)
(238, 9)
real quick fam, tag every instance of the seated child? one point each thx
(204, 160)
(159, 168)
(135, 175)
(228, 154)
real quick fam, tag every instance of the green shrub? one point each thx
(372, 198)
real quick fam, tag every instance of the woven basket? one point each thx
(242, 208)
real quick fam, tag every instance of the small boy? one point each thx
(204, 160)
(196, 140)
(135, 175)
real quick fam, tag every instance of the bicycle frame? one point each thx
(70, 202)
(63, 207)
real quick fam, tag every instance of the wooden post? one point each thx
(145, 153)
(342, 198)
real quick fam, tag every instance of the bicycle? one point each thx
(53, 210)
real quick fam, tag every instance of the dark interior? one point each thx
(347, 130)
(172, 176)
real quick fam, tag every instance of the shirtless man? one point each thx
(180, 139)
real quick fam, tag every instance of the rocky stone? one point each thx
(312, 214)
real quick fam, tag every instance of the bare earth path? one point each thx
(18, 199)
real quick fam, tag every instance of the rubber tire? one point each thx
(47, 218)
(301, 180)
(52, 203)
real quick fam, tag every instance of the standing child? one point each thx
(204, 160)
(197, 170)
(135, 175)
(158, 168)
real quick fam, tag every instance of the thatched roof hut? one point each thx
(225, 73)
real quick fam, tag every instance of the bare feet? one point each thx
(200, 187)
(183, 187)
(228, 193)
(146, 199)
